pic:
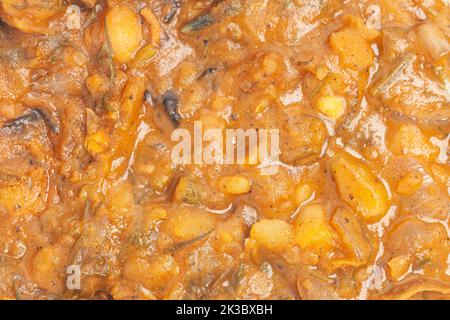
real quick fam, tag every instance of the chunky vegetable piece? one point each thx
(234, 184)
(152, 20)
(97, 84)
(409, 140)
(331, 106)
(96, 142)
(47, 271)
(313, 138)
(187, 224)
(354, 238)
(23, 194)
(409, 184)
(303, 193)
(359, 187)
(433, 41)
(30, 16)
(398, 266)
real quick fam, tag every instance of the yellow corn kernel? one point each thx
(252, 250)
(302, 193)
(124, 30)
(409, 184)
(97, 84)
(96, 143)
(23, 195)
(433, 40)
(226, 237)
(160, 182)
(274, 234)
(398, 266)
(331, 106)
(347, 289)
(321, 71)
(143, 56)
(270, 63)
(262, 105)
(152, 216)
(359, 187)
(121, 199)
(311, 230)
(186, 224)
(353, 50)
(234, 184)
(188, 191)
(187, 73)
(155, 28)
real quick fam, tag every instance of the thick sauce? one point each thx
(93, 206)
